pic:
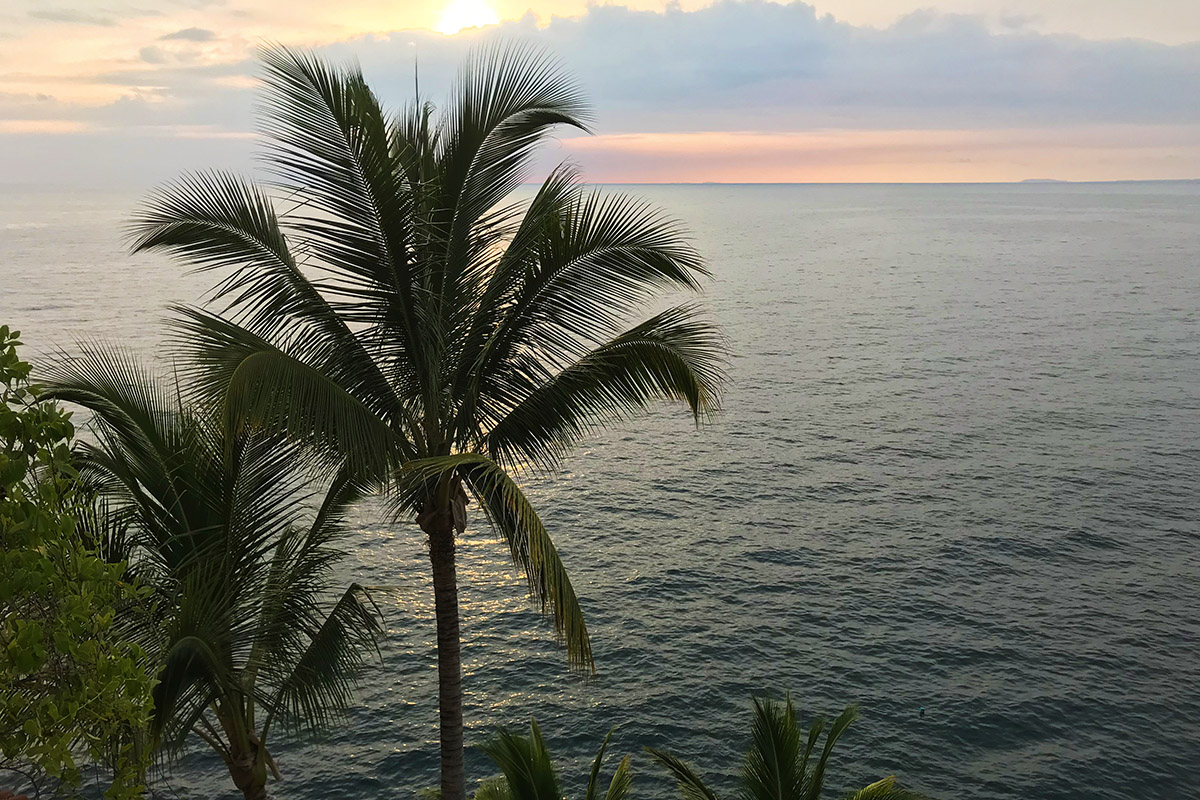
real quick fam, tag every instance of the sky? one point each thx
(127, 93)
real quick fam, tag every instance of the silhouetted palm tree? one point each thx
(777, 766)
(252, 634)
(406, 313)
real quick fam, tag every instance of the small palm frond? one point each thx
(122, 394)
(622, 781)
(299, 574)
(815, 780)
(595, 773)
(321, 683)
(525, 764)
(885, 789)
(773, 769)
(493, 788)
(691, 786)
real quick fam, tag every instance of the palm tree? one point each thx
(777, 765)
(250, 632)
(527, 772)
(405, 312)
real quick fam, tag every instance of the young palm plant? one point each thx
(527, 772)
(252, 634)
(777, 767)
(407, 313)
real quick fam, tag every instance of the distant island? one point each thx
(1043, 180)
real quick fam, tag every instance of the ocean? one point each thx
(958, 469)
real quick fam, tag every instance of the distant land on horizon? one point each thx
(61, 186)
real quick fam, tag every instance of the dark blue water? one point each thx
(959, 469)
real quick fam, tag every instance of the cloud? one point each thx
(764, 66)
(41, 126)
(152, 55)
(759, 82)
(189, 35)
(71, 16)
(1082, 153)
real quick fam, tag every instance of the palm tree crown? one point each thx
(251, 632)
(408, 315)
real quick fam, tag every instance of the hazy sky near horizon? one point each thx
(130, 92)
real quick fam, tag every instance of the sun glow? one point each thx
(462, 14)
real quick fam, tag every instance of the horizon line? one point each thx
(1023, 182)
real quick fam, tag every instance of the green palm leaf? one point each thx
(673, 355)
(322, 680)
(691, 785)
(594, 776)
(525, 764)
(773, 769)
(885, 789)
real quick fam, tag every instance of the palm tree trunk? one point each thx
(252, 781)
(450, 697)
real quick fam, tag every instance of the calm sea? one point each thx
(959, 470)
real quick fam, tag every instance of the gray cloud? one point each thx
(734, 66)
(152, 55)
(190, 35)
(72, 16)
(762, 66)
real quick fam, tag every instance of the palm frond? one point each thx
(622, 781)
(215, 220)
(595, 260)
(773, 770)
(594, 776)
(815, 780)
(332, 149)
(672, 356)
(328, 143)
(322, 680)
(507, 99)
(885, 789)
(264, 387)
(218, 221)
(193, 677)
(118, 390)
(691, 786)
(494, 788)
(525, 764)
(299, 574)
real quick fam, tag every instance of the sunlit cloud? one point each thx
(47, 126)
(1090, 153)
(732, 91)
(189, 35)
(462, 14)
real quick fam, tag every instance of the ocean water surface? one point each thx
(958, 470)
